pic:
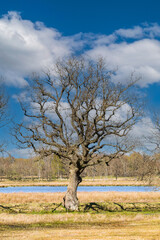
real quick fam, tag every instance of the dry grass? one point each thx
(75, 219)
(76, 226)
(8, 183)
(119, 197)
(84, 197)
(120, 233)
(85, 182)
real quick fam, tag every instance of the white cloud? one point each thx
(141, 57)
(22, 153)
(136, 32)
(28, 47)
(103, 39)
(140, 130)
(144, 135)
(152, 30)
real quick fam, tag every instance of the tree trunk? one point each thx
(70, 200)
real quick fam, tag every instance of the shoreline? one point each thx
(85, 182)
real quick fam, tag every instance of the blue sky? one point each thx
(125, 33)
(71, 17)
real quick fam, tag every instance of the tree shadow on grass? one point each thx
(94, 207)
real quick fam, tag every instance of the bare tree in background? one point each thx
(75, 113)
(3, 113)
(152, 144)
(152, 140)
(3, 106)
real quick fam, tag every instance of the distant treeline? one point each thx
(136, 165)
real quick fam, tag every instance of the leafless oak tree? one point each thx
(75, 113)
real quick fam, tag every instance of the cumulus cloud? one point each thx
(131, 50)
(141, 57)
(136, 32)
(28, 47)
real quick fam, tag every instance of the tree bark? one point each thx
(70, 200)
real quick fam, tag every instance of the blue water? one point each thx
(80, 189)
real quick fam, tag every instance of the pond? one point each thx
(31, 189)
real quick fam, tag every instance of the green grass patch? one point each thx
(92, 207)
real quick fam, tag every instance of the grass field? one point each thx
(90, 225)
(29, 216)
(80, 226)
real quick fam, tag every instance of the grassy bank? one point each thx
(86, 182)
(84, 197)
(89, 202)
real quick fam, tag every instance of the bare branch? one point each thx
(78, 112)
